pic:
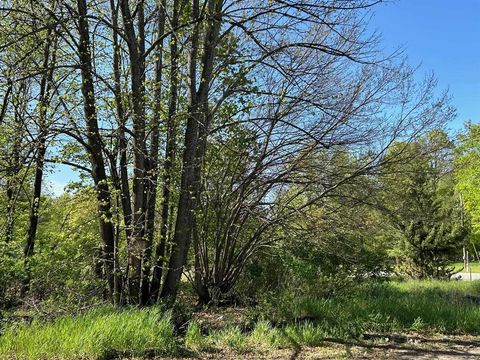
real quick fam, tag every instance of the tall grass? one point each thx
(419, 306)
(436, 306)
(411, 306)
(103, 333)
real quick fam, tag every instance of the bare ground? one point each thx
(375, 346)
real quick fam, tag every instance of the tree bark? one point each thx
(147, 296)
(195, 134)
(121, 175)
(45, 89)
(122, 141)
(211, 39)
(14, 161)
(95, 148)
(136, 50)
(169, 159)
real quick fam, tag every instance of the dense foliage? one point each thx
(227, 152)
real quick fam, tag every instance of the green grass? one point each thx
(103, 333)
(263, 337)
(474, 266)
(392, 307)
(287, 322)
(433, 306)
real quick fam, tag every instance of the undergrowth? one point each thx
(99, 334)
(282, 322)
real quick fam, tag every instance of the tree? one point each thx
(234, 109)
(94, 148)
(45, 96)
(467, 176)
(423, 207)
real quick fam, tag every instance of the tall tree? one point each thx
(423, 207)
(94, 149)
(467, 175)
(45, 93)
(195, 139)
(170, 150)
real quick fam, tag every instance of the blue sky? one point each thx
(444, 37)
(441, 35)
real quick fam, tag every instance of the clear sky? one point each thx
(444, 37)
(441, 35)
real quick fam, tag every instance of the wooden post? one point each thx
(467, 261)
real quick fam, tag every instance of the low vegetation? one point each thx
(96, 334)
(373, 308)
(474, 266)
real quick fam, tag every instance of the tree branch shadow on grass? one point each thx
(410, 351)
(398, 338)
(179, 351)
(297, 348)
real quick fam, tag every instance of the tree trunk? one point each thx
(136, 50)
(14, 163)
(122, 184)
(169, 160)
(45, 85)
(195, 137)
(95, 148)
(184, 219)
(147, 296)
(122, 142)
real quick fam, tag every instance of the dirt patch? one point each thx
(218, 318)
(375, 346)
